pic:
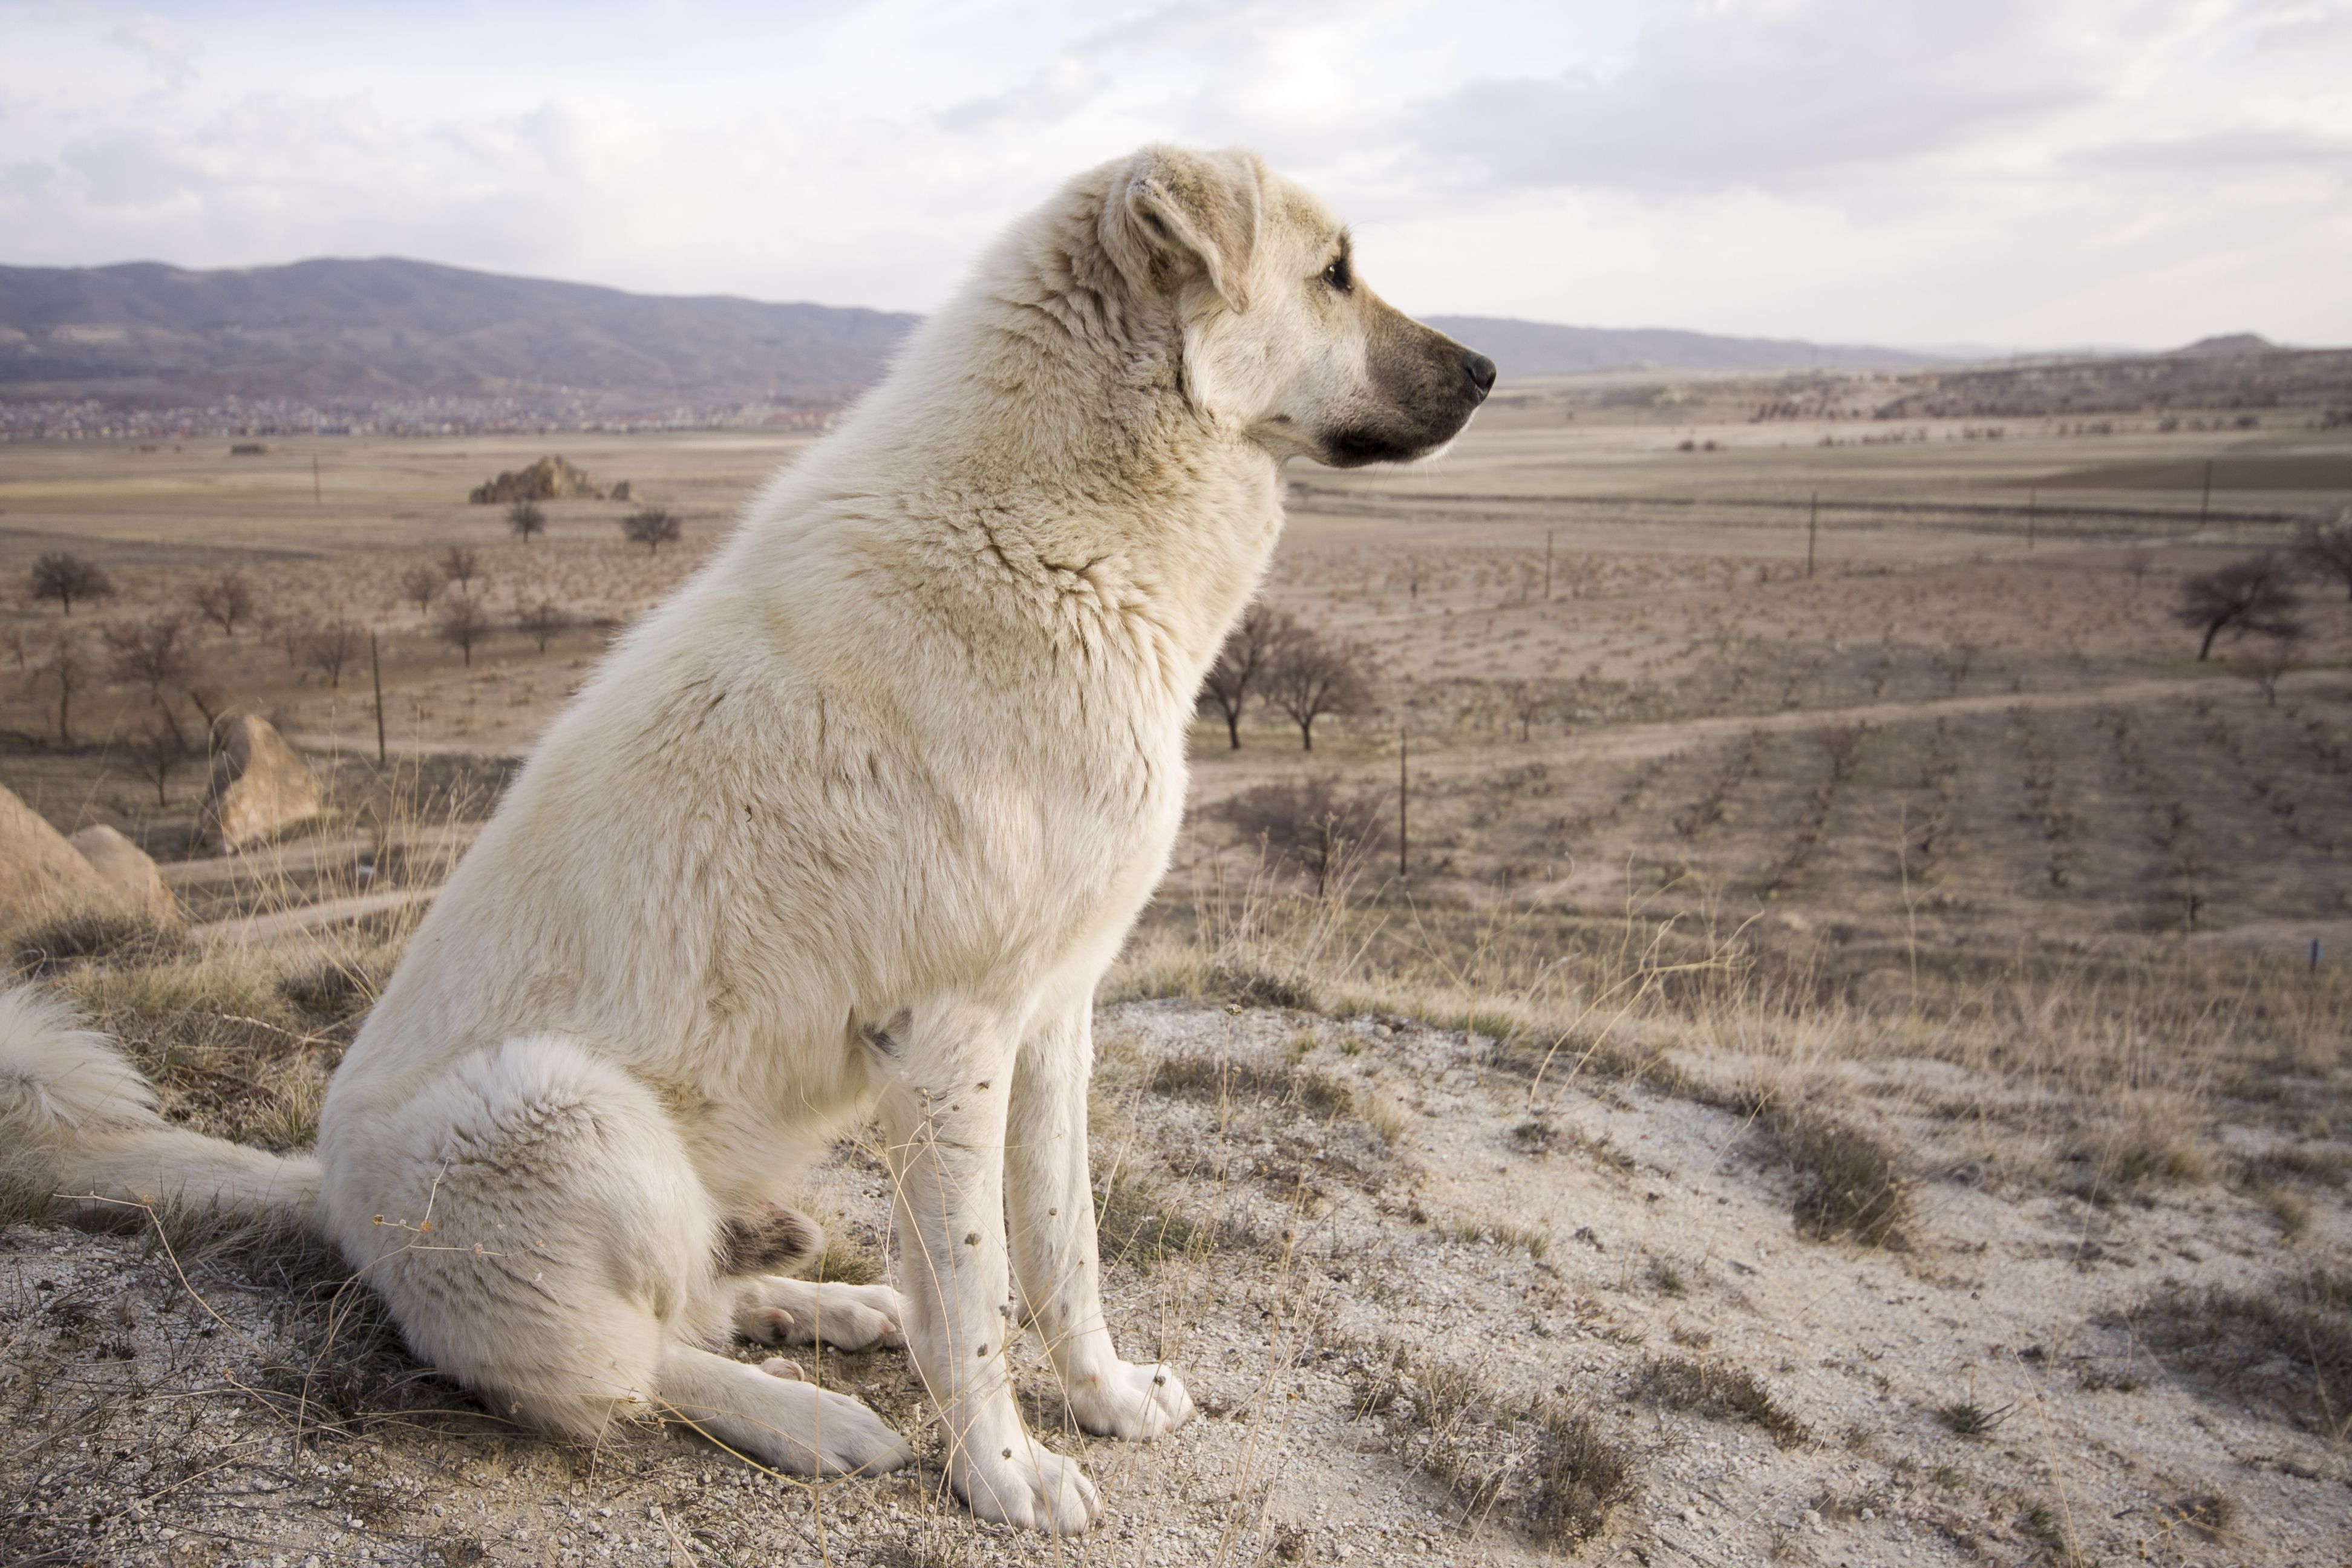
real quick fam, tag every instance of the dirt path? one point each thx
(1632, 742)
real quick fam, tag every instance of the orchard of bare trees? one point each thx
(1290, 669)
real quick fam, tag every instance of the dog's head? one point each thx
(1282, 340)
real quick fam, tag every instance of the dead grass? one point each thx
(2285, 1345)
(1717, 1391)
(1536, 1463)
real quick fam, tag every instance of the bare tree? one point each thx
(223, 600)
(2324, 549)
(62, 575)
(1241, 666)
(420, 585)
(153, 654)
(2275, 654)
(1528, 703)
(1310, 823)
(462, 565)
(525, 520)
(652, 528)
(156, 751)
(293, 634)
(19, 643)
(330, 646)
(2249, 596)
(1309, 679)
(464, 623)
(543, 620)
(67, 670)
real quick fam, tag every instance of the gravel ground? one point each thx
(1425, 1322)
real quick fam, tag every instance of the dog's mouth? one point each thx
(1425, 385)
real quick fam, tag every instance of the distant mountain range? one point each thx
(1538, 348)
(410, 345)
(389, 331)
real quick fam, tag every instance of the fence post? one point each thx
(1403, 839)
(1812, 526)
(375, 668)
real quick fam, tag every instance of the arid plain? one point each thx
(1838, 1068)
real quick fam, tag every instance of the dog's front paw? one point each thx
(1027, 1485)
(1131, 1401)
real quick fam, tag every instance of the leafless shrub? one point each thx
(2273, 655)
(653, 527)
(420, 585)
(223, 600)
(462, 565)
(463, 624)
(1309, 823)
(157, 752)
(2325, 550)
(153, 654)
(330, 646)
(1241, 666)
(1309, 677)
(66, 671)
(62, 575)
(541, 621)
(2252, 595)
(524, 520)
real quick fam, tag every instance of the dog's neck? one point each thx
(1066, 481)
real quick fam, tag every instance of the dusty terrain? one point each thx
(1839, 1075)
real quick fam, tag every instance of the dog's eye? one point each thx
(1337, 277)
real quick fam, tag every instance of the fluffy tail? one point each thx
(77, 1123)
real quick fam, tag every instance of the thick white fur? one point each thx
(852, 825)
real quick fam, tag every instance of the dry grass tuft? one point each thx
(1718, 1391)
(49, 948)
(1537, 1462)
(2286, 1344)
(1848, 1183)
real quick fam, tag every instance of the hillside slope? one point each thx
(388, 328)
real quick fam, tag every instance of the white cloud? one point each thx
(1897, 170)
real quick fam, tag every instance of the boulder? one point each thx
(41, 878)
(129, 871)
(259, 786)
(550, 478)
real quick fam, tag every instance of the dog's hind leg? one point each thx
(535, 1222)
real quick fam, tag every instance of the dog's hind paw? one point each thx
(1131, 1401)
(777, 1312)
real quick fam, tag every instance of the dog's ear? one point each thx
(1175, 210)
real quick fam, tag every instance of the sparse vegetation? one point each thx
(2248, 597)
(63, 576)
(1718, 1391)
(652, 527)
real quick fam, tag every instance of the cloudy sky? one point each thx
(2009, 172)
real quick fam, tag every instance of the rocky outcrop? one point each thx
(41, 877)
(128, 872)
(259, 786)
(550, 478)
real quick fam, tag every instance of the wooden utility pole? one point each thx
(376, 667)
(1548, 533)
(2205, 506)
(2033, 499)
(1401, 838)
(1812, 528)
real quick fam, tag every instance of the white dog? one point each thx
(852, 826)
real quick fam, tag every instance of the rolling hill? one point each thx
(388, 330)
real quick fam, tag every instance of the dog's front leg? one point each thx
(1053, 1245)
(944, 1117)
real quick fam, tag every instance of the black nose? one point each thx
(1481, 372)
